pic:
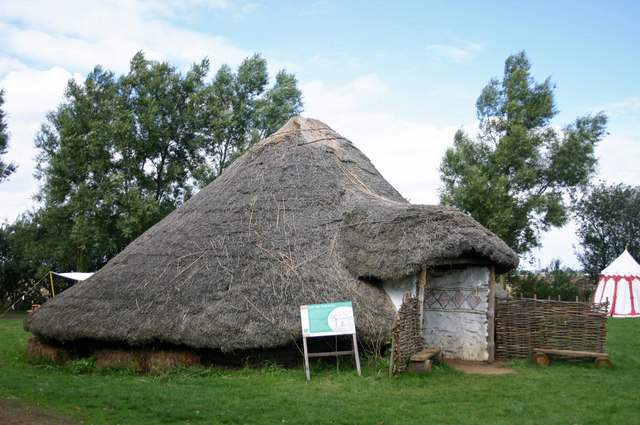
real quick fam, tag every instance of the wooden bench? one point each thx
(541, 358)
(423, 361)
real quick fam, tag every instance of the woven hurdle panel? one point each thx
(406, 333)
(522, 324)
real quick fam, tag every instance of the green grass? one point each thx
(563, 393)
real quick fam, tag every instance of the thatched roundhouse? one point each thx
(303, 217)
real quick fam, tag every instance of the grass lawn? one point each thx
(563, 393)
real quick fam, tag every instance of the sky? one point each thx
(395, 78)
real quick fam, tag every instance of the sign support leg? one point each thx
(355, 353)
(306, 358)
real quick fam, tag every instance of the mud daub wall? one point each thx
(455, 312)
(523, 324)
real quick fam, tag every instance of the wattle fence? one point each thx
(522, 324)
(406, 334)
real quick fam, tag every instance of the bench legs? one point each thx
(602, 362)
(540, 359)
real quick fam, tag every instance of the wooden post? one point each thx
(503, 281)
(306, 358)
(393, 343)
(491, 316)
(53, 294)
(355, 353)
(422, 283)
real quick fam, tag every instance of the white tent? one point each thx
(619, 284)
(75, 275)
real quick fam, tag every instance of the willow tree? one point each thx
(520, 174)
(120, 153)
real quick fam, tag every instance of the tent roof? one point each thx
(298, 219)
(624, 265)
(74, 275)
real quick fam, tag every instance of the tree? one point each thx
(6, 169)
(552, 281)
(120, 153)
(279, 103)
(82, 187)
(238, 111)
(18, 264)
(608, 221)
(515, 178)
(161, 146)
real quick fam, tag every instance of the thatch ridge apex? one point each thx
(308, 129)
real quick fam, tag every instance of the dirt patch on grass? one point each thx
(479, 368)
(14, 412)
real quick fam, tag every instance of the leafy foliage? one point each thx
(553, 281)
(608, 221)
(15, 264)
(238, 110)
(25, 256)
(120, 153)
(6, 169)
(515, 176)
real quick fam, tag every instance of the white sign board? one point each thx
(327, 319)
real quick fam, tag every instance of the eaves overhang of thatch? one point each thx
(392, 240)
(296, 220)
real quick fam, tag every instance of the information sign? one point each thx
(327, 319)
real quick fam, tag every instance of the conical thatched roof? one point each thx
(296, 220)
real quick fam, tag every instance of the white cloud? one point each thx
(370, 86)
(29, 95)
(36, 34)
(618, 153)
(251, 7)
(356, 94)
(624, 106)
(557, 243)
(455, 53)
(95, 16)
(406, 153)
(618, 159)
(8, 64)
(80, 38)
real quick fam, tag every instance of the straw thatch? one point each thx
(296, 220)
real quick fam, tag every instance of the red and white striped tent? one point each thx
(619, 284)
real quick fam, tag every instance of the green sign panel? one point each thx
(327, 319)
